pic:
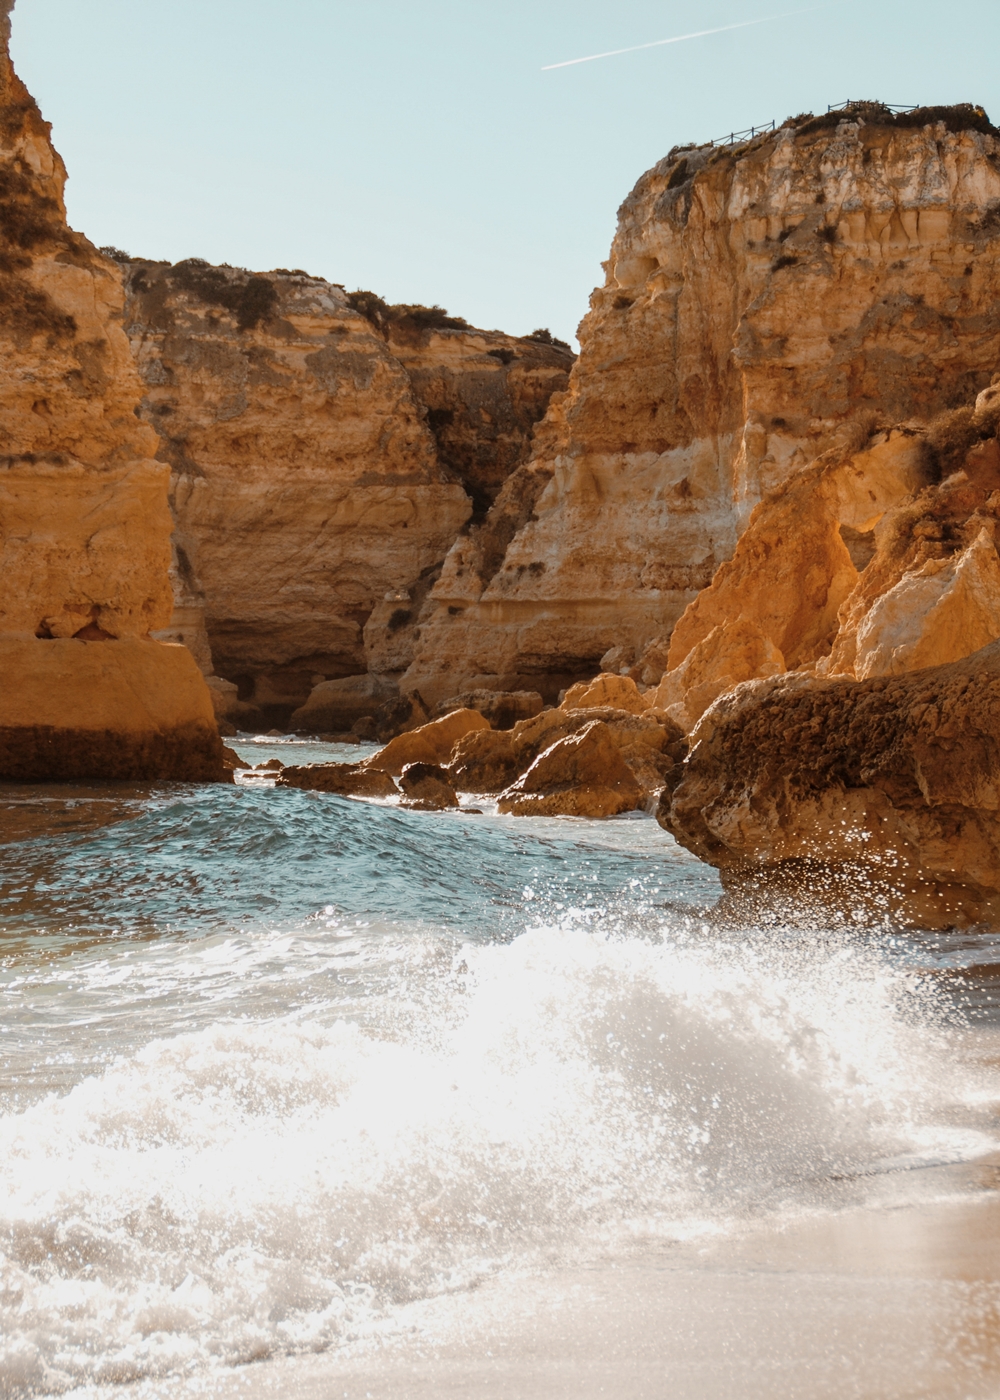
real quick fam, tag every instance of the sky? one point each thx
(423, 149)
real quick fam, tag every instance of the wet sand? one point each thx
(896, 1299)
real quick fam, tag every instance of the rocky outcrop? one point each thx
(488, 761)
(84, 521)
(502, 709)
(876, 793)
(323, 464)
(765, 305)
(582, 775)
(430, 743)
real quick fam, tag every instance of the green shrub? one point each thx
(545, 337)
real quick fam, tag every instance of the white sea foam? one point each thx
(273, 1186)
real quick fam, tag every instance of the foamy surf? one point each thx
(280, 1184)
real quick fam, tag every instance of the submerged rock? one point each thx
(885, 792)
(346, 779)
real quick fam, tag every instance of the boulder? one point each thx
(335, 705)
(427, 786)
(503, 708)
(490, 761)
(732, 652)
(884, 791)
(618, 692)
(231, 758)
(431, 743)
(582, 775)
(484, 760)
(345, 779)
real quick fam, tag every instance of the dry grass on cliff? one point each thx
(951, 435)
(961, 116)
(28, 220)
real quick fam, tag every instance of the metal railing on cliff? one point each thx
(734, 138)
(880, 106)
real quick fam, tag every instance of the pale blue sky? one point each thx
(415, 147)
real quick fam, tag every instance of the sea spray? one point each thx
(278, 1184)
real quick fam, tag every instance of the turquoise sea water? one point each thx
(274, 1063)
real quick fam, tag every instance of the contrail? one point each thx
(679, 38)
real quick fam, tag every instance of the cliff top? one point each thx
(959, 116)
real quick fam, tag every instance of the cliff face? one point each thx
(484, 392)
(320, 474)
(84, 521)
(763, 305)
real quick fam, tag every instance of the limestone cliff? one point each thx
(84, 521)
(323, 464)
(764, 305)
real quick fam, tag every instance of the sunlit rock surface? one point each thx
(323, 464)
(884, 792)
(84, 521)
(762, 305)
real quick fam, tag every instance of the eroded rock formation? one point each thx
(84, 521)
(764, 306)
(323, 464)
(880, 794)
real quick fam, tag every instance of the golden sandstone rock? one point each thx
(582, 775)
(345, 779)
(431, 743)
(883, 792)
(324, 462)
(84, 523)
(762, 305)
(731, 653)
(620, 692)
(488, 761)
(72, 710)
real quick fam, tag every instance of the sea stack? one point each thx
(83, 503)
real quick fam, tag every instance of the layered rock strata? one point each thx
(323, 465)
(84, 521)
(764, 305)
